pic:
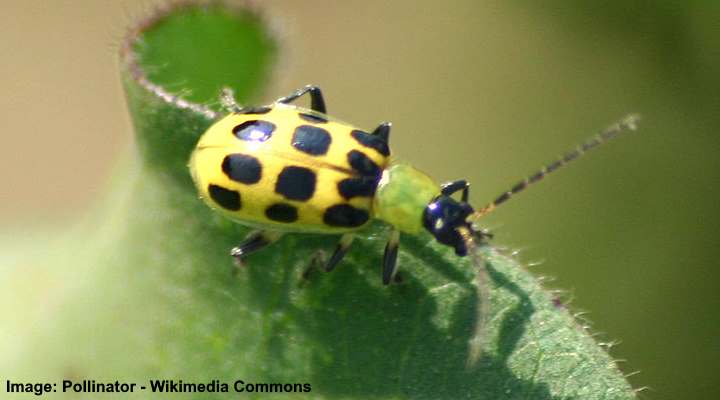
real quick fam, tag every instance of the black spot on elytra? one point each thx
(254, 131)
(316, 118)
(255, 110)
(345, 215)
(296, 183)
(311, 140)
(282, 212)
(372, 141)
(362, 164)
(227, 199)
(357, 187)
(242, 168)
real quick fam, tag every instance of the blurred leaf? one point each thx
(146, 290)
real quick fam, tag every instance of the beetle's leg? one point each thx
(482, 235)
(451, 187)
(342, 247)
(390, 257)
(319, 259)
(383, 131)
(316, 261)
(254, 242)
(227, 99)
(317, 102)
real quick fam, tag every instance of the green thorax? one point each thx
(402, 195)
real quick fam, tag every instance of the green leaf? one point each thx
(145, 289)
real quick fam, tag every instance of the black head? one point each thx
(443, 216)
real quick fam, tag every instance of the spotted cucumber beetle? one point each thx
(282, 168)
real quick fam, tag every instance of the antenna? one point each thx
(629, 123)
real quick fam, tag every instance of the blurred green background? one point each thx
(483, 90)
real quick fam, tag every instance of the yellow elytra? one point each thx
(282, 168)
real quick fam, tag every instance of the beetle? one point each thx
(283, 168)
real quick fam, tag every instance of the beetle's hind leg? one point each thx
(252, 243)
(318, 260)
